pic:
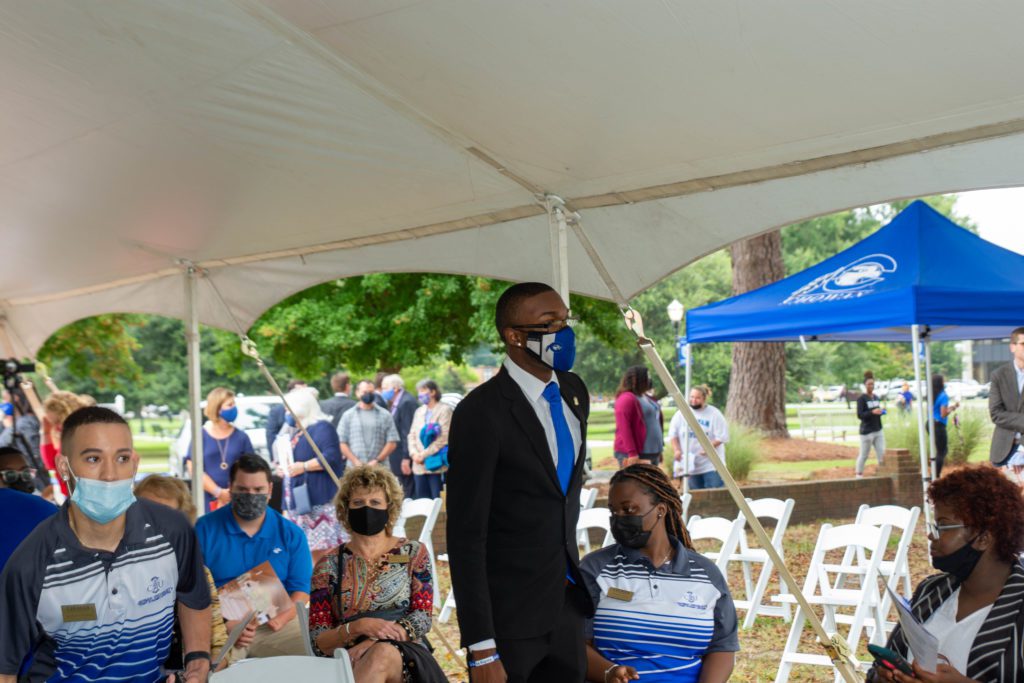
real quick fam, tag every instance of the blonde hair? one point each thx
(392, 382)
(61, 404)
(214, 400)
(371, 478)
(163, 486)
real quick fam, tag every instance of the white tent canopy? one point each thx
(281, 143)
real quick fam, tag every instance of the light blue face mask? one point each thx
(102, 501)
(387, 395)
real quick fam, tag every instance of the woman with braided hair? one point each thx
(664, 611)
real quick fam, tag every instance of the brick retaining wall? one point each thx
(898, 482)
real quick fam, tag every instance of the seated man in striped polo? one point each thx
(91, 592)
(664, 612)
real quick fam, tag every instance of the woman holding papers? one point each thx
(374, 594)
(975, 607)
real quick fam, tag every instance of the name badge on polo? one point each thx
(85, 612)
(399, 559)
(620, 594)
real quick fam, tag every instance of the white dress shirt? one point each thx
(533, 390)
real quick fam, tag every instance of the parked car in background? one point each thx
(963, 389)
(252, 418)
(827, 394)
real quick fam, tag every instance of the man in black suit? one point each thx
(341, 385)
(1006, 403)
(516, 451)
(403, 408)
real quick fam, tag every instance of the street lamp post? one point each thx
(676, 310)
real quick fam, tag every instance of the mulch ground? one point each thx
(792, 450)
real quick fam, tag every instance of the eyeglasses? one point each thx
(553, 326)
(10, 477)
(935, 530)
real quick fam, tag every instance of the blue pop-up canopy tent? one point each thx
(919, 277)
(919, 269)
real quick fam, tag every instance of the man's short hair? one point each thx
(11, 456)
(366, 381)
(340, 381)
(90, 415)
(1017, 336)
(251, 464)
(392, 382)
(292, 383)
(511, 299)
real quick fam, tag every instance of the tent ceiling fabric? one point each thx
(241, 134)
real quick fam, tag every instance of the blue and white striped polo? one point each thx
(94, 616)
(660, 621)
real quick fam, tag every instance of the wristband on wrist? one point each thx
(473, 663)
(193, 656)
(608, 671)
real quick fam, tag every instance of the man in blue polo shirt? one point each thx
(91, 593)
(20, 510)
(240, 536)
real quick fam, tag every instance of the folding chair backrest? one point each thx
(596, 518)
(289, 668)
(302, 616)
(870, 542)
(726, 531)
(774, 509)
(900, 518)
(685, 499)
(428, 509)
(587, 498)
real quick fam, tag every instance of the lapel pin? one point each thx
(575, 401)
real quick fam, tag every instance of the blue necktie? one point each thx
(563, 437)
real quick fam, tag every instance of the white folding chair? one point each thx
(302, 615)
(587, 499)
(753, 602)
(428, 509)
(337, 669)
(726, 531)
(819, 589)
(892, 571)
(594, 518)
(685, 499)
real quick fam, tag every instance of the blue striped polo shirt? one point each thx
(661, 621)
(95, 616)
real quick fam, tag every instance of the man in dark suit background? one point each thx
(1006, 402)
(403, 408)
(516, 450)
(342, 400)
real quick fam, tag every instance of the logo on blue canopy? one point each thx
(852, 281)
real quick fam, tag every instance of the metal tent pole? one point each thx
(559, 234)
(933, 450)
(194, 387)
(922, 443)
(686, 436)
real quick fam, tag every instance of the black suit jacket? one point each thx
(335, 406)
(407, 406)
(510, 528)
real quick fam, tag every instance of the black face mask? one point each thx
(959, 563)
(367, 398)
(249, 506)
(367, 521)
(628, 530)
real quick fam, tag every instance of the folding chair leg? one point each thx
(792, 645)
(757, 596)
(747, 583)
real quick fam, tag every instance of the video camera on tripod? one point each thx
(12, 369)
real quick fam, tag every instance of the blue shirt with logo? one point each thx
(230, 552)
(21, 513)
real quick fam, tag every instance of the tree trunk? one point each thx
(757, 387)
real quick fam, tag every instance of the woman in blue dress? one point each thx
(223, 444)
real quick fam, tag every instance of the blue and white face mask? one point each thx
(557, 350)
(102, 501)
